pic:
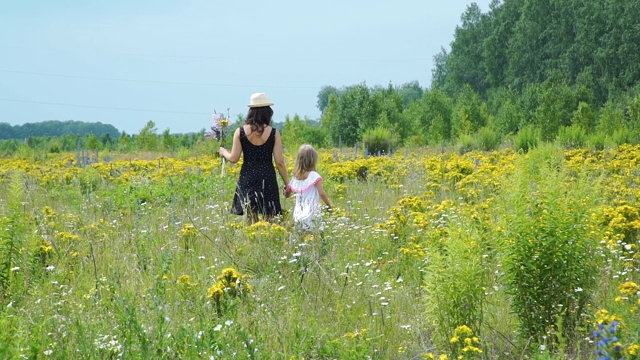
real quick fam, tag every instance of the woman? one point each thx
(259, 144)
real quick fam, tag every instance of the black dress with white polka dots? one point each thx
(257, 186)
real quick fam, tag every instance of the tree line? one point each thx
(525, 71)
(56, 128)
(148, 139)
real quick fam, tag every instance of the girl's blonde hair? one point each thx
(305, 162)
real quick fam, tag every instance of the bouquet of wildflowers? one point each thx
(219, 128)
(219, 132)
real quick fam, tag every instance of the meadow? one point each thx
(427, 254)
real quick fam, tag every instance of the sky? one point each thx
(175, 62)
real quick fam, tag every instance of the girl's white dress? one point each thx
(307, 212)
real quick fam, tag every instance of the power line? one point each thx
(154, 81)
(106, 107)
(340, 59)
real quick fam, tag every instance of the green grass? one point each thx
(110, 288)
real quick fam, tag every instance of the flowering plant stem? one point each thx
(219, 132)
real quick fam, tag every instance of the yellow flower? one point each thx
(264, 229)
(45, 247)
(472, 349)
(188, 229)
(229, 275)
(463, 330)
(629, 288)
(215, 291)
(604, 317)
(229, 282)
(185, 280)
(356, 334)
(633, 349)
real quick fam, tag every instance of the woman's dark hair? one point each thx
(259, 118)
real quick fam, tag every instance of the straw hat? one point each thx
(259, 100)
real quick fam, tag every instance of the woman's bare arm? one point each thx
(236, 149)
(279, 159)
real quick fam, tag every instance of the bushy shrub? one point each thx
(54, 146)
(549, 264)
(488, 139)
(379, 141)
(597, 141)
(572, 137)
(316, 136)
(619, 137)
(527, 138)
(465, 144)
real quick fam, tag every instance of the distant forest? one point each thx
(525, 71)
(519, 43)
(56, 128)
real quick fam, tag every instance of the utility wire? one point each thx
(155, 81)
(340, 59)
(106, 107)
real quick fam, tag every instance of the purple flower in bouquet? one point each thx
(219, 128)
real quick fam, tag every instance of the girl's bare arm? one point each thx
(323, 194)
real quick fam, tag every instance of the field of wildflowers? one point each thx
(426, 255)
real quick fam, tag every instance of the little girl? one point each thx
(306, 183)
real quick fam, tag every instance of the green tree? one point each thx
(69, 142)
(168, 140)
(611, 118)
(353, 114)
(555, 110)
(315, 135)
(528, 49)
(106, 141)
(148, 137)
(410, 92)
(440, 73)
(465, 63)
(633, 110)
(125, 142)
(324, 95)
(437, 118)
(584, 116)
(92, 142)
(467, 115)
(502, 19)
(293, 132)
(503, 106)
(6, 131)
(387, 108)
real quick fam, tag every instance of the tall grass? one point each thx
(124, 260)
